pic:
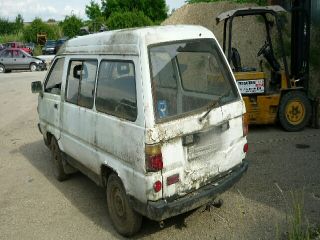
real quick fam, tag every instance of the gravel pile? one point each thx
(248, 33)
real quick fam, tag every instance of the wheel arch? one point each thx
(106, 171)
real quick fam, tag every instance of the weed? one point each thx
(297, 225)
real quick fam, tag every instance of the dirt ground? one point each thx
(33, 205)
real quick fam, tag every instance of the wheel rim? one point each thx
(33, 67)
(118, 201)
(1, 69)
(295, 112)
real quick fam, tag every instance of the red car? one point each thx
(19, 45)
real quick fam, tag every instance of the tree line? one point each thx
(112, 14)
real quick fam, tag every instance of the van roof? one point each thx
(130, 41)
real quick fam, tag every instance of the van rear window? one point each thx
(187, 76)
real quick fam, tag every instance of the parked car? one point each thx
(17, 59)
(153, 115)
(59, 43)
(19, 45)
(1, 47)
(49, 47)
(31, 45)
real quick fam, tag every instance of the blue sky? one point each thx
(57, 9)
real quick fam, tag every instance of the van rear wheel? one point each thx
(56, 161)
(124, 219)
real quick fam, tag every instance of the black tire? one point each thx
(2, 69)
(33, 67)
(294, 111)
(124, 219)
(56, 161)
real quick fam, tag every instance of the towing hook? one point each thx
(161, 224)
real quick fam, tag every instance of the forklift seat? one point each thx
(236, 61)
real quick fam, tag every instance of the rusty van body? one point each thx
(153, 115)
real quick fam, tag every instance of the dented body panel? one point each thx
(96, 139)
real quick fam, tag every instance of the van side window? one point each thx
(116, 89)
(54, 79)
(81, 82)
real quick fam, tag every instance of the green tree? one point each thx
(7, 27)
(38, 26)
(93, 10)
(71, 26)
(259, 2)
(119, 20)
(18, 23)
(156, 10)
(96, 16)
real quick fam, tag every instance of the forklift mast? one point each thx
(300, 41)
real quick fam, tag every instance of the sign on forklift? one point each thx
(251, 86)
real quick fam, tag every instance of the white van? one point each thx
(153, 115)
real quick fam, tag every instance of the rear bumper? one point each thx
(163, 209)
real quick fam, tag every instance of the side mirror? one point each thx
(36, 87)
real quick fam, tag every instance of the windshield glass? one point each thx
(187, 76)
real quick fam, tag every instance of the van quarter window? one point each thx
(81, 81)
(116, 90)
(54, 80)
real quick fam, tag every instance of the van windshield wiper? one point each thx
(212, 105)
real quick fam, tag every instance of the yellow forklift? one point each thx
(277, 95)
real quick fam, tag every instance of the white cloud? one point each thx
(78, 11)
(44, 9)
(29, 9)
(56, 9)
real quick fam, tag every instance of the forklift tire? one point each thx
(294, 111)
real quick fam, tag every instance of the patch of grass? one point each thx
(297, 225)
(18, 37)
(37, 50)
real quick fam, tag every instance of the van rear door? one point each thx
(198, 112)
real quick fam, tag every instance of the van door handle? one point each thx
(55, 105)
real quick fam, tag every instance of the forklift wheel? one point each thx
(294, 111)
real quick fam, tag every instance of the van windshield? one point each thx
(187, 76)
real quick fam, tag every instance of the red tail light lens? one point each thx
(154, 161)
(157, 186)
(246, 148)
(245, 124)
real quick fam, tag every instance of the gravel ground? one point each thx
(33, 205)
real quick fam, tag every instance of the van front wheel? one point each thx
(56, 161)
(124, 219)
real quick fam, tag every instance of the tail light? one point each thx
(246, 148)
(157, 186)
(154, 161)
(245, 123)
